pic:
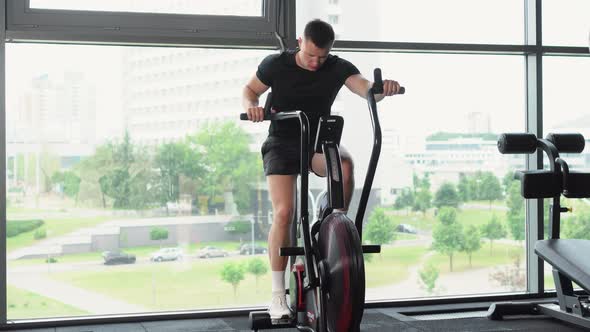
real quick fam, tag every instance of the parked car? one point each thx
(167, 254)
(210, 251)
(117, 257)
(405, 228)
(246, 249)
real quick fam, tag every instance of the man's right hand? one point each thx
(255, 113)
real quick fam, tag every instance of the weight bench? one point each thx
(566, 256)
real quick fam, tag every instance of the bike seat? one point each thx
(568, 257)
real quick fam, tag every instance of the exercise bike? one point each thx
(327, 273)
(566, 256)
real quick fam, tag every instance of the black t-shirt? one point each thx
(294, 88)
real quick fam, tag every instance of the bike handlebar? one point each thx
(376, 89)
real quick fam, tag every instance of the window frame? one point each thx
(19, 23)
(50, 25)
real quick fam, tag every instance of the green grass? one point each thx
(479, 217)
(426, 222)
(501, 254)
(197, 283)
(405, 236)
(158, 286)
(179, 285)
(53, 227)
(23, 304)
(392, 265)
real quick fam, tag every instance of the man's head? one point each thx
(317, 41)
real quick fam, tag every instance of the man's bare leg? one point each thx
(318, 165)
(281, 190)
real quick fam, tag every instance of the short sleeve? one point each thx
(347, 69)
(266, 69)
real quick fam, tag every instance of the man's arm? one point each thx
(250, 98)
(360, 85)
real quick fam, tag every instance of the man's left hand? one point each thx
(390, 87)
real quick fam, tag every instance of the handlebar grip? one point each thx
(378, 81)
(267, 107)
(515, 143)
(567, 143)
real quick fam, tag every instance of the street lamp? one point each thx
(252, 248)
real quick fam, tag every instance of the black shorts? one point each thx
(282, 156)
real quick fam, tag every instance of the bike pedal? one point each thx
(281, 321)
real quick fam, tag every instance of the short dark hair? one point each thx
(320, 33)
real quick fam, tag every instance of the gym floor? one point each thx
(373, 320)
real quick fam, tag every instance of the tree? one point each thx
(578, 225)
(423, 201)
(446, 195)
(90, 170)
(230, 164)
(472, 241)
(447, 235)
(257, 267)
(130, 180)
(380, 228)
(174, 160)
(428, 275)
(405, 199)
(116, 182)
(513, 276)
(515, 214)
(232, 273)
(473, 184)
(69, 183)
(507, 181)
(490, 188)
(463, 189)
(158, 233)
(493, 230)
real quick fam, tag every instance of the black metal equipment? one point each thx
(327, 279)
(566, 256)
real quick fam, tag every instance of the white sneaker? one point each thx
(278, 309)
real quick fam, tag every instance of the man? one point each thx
(307, 79)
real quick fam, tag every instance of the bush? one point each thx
(40, 234)
(16, 227)
(51, 260)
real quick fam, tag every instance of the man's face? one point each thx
(312, 56)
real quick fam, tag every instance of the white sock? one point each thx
(278, 281)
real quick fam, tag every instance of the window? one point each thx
(566, 22)
(566, 82)
(147, 22)
(430, 185)
(454, 21)
(231, 7)
(69, 159)
(333, 19)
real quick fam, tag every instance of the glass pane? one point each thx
(439, 161)
(566, 22)
(102, 215)
(566, 82)
(131, 167)
(232, 7)
(455, 21)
